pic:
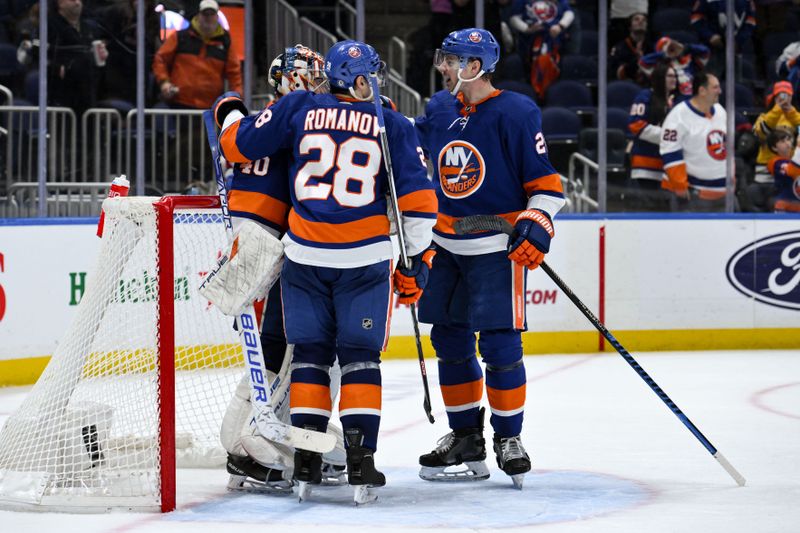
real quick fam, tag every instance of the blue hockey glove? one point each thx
(230, 101)
(531, 240)
(409, 282)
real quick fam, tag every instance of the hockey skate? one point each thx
(361, 472)
(249, 476)
(307, 472)
(512, 459)
(461, 447)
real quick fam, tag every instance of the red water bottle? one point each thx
(119, 187)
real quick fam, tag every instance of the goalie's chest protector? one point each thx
(483, 153)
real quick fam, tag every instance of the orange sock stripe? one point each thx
(310, 395)
(463, 393)
(506, 400)
(360, 396)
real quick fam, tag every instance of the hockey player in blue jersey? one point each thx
(489, 157)
(337, 277)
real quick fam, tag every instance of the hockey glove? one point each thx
(230, 101)
(409, 282)
(531, 239)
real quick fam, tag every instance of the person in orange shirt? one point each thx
(192, 65)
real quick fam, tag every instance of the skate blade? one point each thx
(250, 485)
(334, 481)
(303, 491)
(517, 480)
(362, 495)
(472, 471)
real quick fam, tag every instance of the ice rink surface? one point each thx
(608, 456)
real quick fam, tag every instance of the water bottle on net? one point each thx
(119, 187)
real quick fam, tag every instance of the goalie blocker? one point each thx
(247, 272)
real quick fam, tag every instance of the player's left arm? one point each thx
(671, 149)
(542, 183)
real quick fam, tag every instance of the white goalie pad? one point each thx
(246, 272)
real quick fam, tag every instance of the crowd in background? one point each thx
(549, 52)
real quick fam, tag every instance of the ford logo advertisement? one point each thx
(769, 270)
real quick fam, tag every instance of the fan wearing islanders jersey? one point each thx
(693, 146)
(489, 157)
(647, 113)
(786, 172)
(337, 277)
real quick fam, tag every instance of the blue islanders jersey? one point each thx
(259, 192)
(336, 177)
(646, 160)
(787, 183)
(488, 158)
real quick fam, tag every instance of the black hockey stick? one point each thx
(479, 223)
(373, 79)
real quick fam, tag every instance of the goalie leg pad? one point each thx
(246, 272)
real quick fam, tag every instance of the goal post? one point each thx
(139, 383)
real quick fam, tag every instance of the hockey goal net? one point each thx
(141, 379)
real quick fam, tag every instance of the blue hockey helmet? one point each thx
(347, 60)
(469, 43)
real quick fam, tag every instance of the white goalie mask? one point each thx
(298, 68)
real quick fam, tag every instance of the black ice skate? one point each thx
(512, 459)
(307, 472)
(250, 476)
(465, 447)
(361, 472)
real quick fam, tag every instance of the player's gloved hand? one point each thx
(409, 282)
(230, 101)
(533, 230)
(388, 103)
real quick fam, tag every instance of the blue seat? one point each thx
(587, 18)
(670, 18)
(774, 43)
(616, 143)
(569, 93)
(518, 87)
(616, 118)
(744, 99)
(560, 125)
(579, 68)
(620, 93)
(31, 88)
(588, 43)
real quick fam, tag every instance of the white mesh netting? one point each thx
(87, 435)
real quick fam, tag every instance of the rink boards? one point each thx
(683, 283)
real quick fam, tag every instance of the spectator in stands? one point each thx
(685, 59)
(540, 26)
(785, 171)
(620, 14)
(780, 115)
(192, 65)
(118, 27)
(787, 65)
(647, 113)
(709, 21)
(625, 55)
(74, 57)
(693, 148)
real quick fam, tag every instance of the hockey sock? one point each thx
(310, 396)
(360, 396)
(460, 375)
(505, 379)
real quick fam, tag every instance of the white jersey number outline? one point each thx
(346, 170)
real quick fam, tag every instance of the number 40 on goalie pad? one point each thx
(247, 272)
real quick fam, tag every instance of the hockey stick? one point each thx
(478, 223)
(387, 160)
(267, 422)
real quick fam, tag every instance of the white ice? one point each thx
(608, 456)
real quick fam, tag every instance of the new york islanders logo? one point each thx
(543, 11)
(461, 169)
(354, 52)
(475, 37)
(715, 144)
